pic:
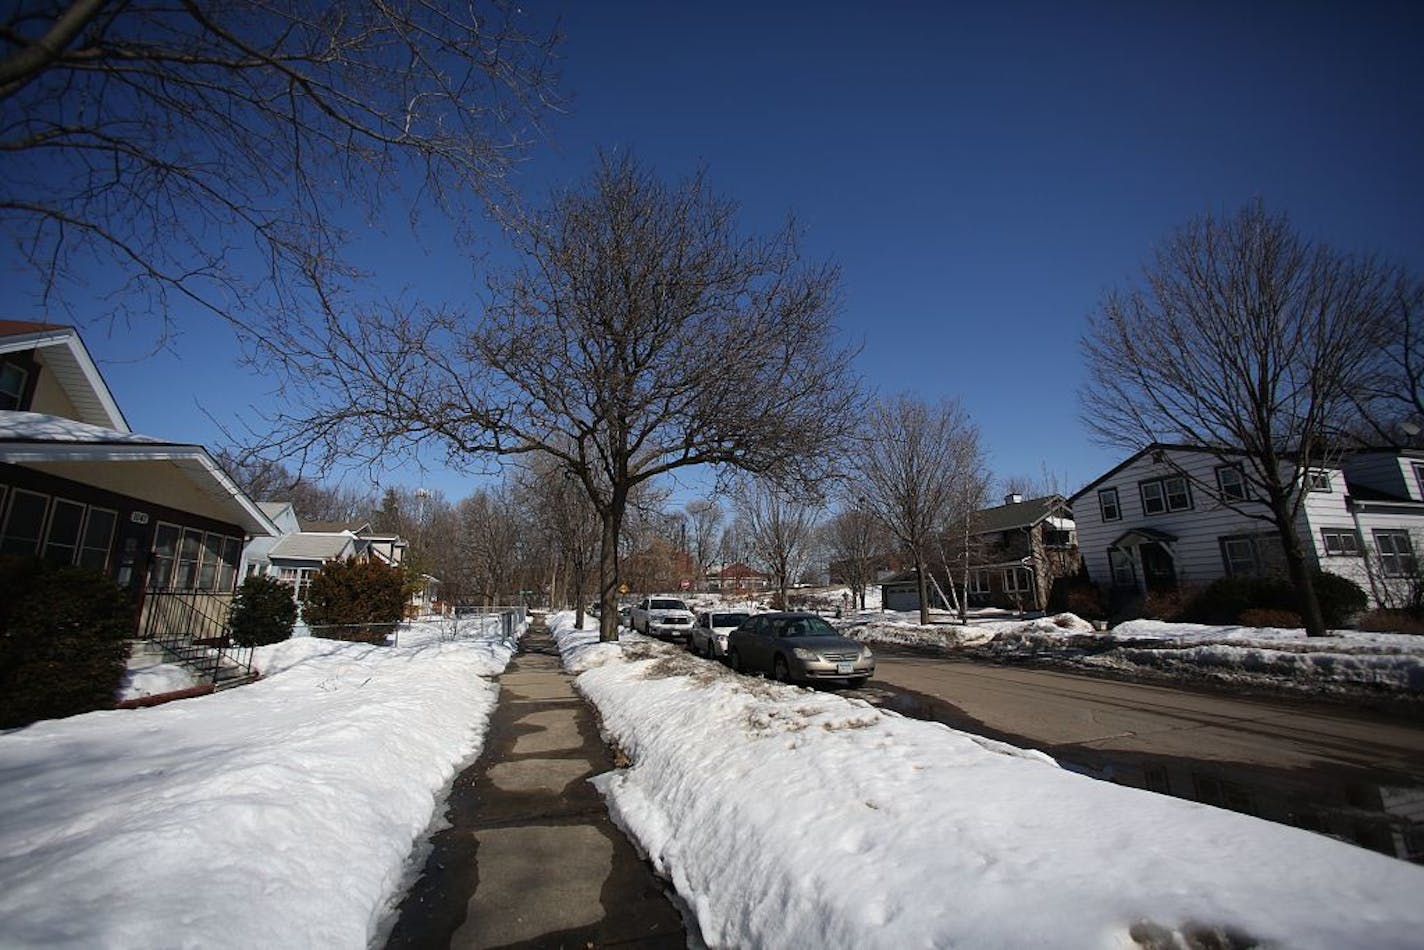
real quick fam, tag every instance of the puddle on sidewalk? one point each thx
(1384, 813)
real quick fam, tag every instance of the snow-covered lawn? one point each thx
(280, 814)
(795, 818)
(1286, 658)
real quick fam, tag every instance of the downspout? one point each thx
(1354, 510)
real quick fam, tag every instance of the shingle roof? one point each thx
(1023, 514)
(305, 546)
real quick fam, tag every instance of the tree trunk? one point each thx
(1299, 572)
(612, 518)
(924, 591)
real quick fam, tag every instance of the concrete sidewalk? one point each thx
(531, 858)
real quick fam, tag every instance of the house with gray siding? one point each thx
(1182, 516)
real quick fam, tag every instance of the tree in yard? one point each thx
(919, 471)
(212, 155)
(491, 530)
(562, 510)
(641, 334)
(1390, 394)
(704, 517)
(856, 541)
(1245, 339)
(781, 531)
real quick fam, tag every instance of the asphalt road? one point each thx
(1357, 776)
(1052, 710)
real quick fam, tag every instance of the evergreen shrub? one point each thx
(1224, 601)
(64, 635)
(263, 612)
(346, 596)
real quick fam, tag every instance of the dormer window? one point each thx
(1317, 480)
(12, 385)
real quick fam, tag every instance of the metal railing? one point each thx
(191, 627)
(455, 624)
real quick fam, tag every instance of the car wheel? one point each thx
(779, 670)
(856, 682)
(734, 660)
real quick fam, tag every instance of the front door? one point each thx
(1158, 571)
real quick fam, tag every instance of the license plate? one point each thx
(845, 668)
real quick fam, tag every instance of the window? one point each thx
(1419, 477)
(979, 582)
(12, 386)
(1231, 483)
(232, 553)
(1252, 555)
(1057, 538)
(165, 552)
(1396, 553)
(210, 560)
(1107, 504)
(1340, 542)
(185, 577)
(1162, 495)
(24, 523)
(299, 579)
(1017, 580)
(62, 538)
(1317, 480)
(98, 538)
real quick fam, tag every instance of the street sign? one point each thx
(622, 588)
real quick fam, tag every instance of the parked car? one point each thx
(794, 647)
(662, 617)
(625, 615)
(710, 632)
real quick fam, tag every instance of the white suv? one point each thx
(662, 617)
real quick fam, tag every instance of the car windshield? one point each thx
(667, 605)
(729, 620)
(806, 627)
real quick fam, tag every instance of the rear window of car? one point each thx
(729, 620)
(804, 627)
(667, 605)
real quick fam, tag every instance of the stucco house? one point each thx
(1161, 520)
(78, 486)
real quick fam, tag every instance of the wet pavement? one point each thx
(1382, 810)
(531, 858)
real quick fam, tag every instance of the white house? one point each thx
(1158, 521)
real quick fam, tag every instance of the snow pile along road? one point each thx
(280, 814)
(791, 817)
(1389, 662)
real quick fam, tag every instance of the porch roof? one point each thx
(184, 477)
(1136, 536)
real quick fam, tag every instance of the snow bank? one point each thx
(789, 817)
(1284, 658)
(280, 814)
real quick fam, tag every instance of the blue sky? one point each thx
(981, 173)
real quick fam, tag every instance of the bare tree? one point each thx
(213, 154)
(1245, 339)
(561, 507)
(913, 473)
(1390, 394)
(491, 532)
(641, 334)
(781, 530)
(704, 517)
(856, 542)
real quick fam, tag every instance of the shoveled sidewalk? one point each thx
(531, 858)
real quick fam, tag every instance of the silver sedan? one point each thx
(709, 634)
(794, 647)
